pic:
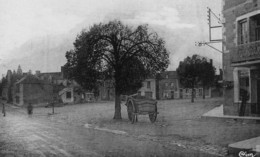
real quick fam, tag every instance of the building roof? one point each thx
(67, 89)
(30, 79)
(55, 75)
(170, 74)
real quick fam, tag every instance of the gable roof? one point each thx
(30, 79)
(67, 89)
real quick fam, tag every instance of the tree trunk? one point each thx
(203, 92)
(192, 95)
(117, 114)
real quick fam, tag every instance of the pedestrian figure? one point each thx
(244, 97)
(3, 110)
(30, 109)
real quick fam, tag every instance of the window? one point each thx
(242, 32)
(172, 84)
(167, 76)
(255, 28)
(148, 84)
(165, 94)
(166, 84)
(68, 95)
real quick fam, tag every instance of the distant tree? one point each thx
(2, 84)
(207, 74)
(119, 52)
(194, 70)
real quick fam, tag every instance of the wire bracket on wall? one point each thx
(218, 25)
(203, 43)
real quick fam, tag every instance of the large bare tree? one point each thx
(123, 53)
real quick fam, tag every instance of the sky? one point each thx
(37, 33)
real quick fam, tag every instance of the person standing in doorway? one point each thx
(244, 98)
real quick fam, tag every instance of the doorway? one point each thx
(256, 108)
(181, 91)
(172, 94)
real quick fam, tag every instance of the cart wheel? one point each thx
(153, 116)
(130, 111)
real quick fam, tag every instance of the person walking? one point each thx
(30, 109)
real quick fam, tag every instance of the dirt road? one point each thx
(23, 136)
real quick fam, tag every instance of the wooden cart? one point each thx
(141, 106)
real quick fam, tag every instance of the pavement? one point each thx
(246, 146)
(217, 112)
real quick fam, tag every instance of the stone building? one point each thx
(31, 89)
(169, 86)
(148, 89)
(65, 90)
(241, 58)
(165, 86)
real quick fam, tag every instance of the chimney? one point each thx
(62, 71)
(64, 74)
(211, 61)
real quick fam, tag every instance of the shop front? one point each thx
(247, 79)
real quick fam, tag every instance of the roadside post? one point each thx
(3, 110)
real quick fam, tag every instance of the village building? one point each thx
(41, 88)
(170, 87)
(31, 89)
(165, 85)
(241, 55)
(6, 93)
(52, 77)
(73, 93)
(65, 90)
(148, 89)
(7, 86)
